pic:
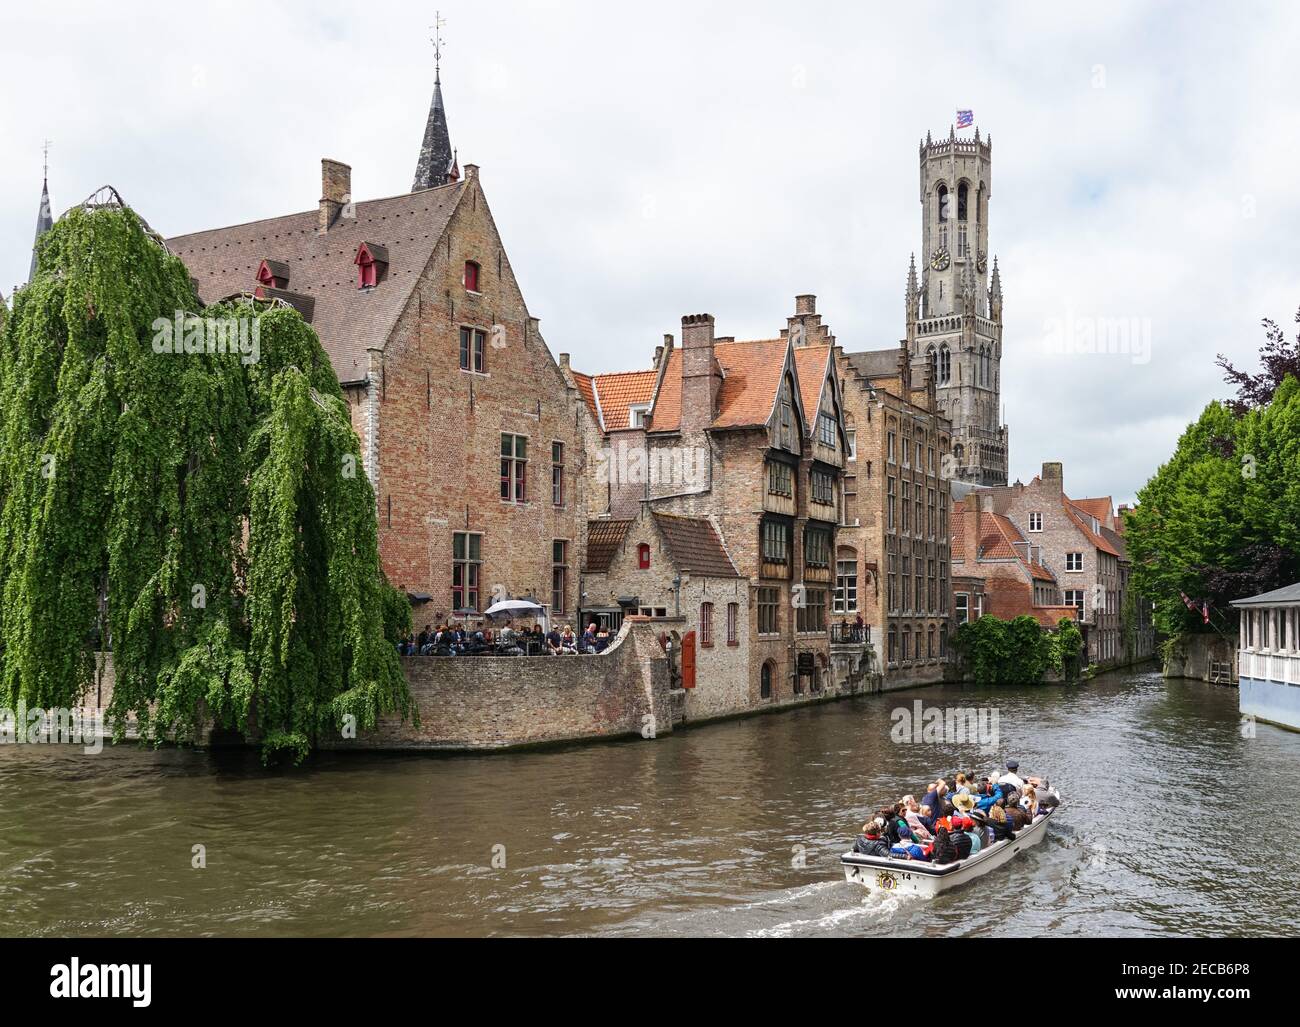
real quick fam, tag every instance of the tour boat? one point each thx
(916, 877)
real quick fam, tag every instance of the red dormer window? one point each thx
(471, 276)
(273, 274)
(643, 556)
(372, 264)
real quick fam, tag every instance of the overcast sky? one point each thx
(648, 161)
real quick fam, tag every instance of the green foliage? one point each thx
(204, 515)
(1221, 520)
(1013, 652)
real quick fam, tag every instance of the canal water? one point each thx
(1175, 823)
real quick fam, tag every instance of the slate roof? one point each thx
(694, 545)
(1288, 595)
(349, 321)
(876, 363)
(604, 537)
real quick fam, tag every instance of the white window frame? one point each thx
(1036, 518)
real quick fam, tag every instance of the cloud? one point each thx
(647, 163)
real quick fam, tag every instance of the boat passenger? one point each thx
(982, 828)
(998, 823)
(962, 785)
(1017, 816)
(1029, 801)
(944, 849)
(935, 797)
(920, 830)
(960, 839)
(869, 842)
(963, 802)
(1011, 777)
(974, 833)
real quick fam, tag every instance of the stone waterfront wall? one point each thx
(489, 703)
(1192, 655)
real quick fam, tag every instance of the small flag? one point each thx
(965, 119)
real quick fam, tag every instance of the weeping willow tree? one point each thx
(187, 491)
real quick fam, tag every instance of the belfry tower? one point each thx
(954, 312)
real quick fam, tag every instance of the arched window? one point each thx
(943, 203)
(643, 556)
(892, 651)
(945, 364)
(932, 359)
(958, 453)
(962, 190)
(765, 681)
(907, 643)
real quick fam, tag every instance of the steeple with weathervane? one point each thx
(44, 222)
(437, 164)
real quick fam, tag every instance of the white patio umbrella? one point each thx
(514, 606)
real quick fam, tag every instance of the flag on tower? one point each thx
(965, 119)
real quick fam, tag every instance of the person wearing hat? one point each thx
(961, 840)
(974, 832)
(963, 802)
(983, 827)
(1011, 777)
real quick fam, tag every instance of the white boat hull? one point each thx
(881, 873)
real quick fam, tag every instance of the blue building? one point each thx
(1269, 656)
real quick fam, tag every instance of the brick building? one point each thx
(893, 563)
(748, 437)
(997, 571)
(1082, 545)
(472, 437)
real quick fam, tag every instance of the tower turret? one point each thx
(44, 222)
(437, 163)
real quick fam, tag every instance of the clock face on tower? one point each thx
(940, 259)
(982, 263)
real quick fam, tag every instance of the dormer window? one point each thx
(471, 276)
(637, 415)
(372, 264)
(273, 274)
(643, 556)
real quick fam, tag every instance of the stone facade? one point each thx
(894, 545)
(954, 313)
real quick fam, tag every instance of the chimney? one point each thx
(1054, 476)
(335, 191)
(700, 380)
(659, 355)
(805, 304)
(564, 362)
(471, 171)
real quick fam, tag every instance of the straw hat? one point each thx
(964, 802)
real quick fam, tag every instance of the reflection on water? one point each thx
(1168, 828)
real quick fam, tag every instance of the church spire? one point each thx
(995, 293)
(44, 222)
(913, 295)
(434, 168)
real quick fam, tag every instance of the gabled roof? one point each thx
(812, 363)
(1103, 507)
(751, 376)
(604, 537)
(999, 539)
(587, 389)
(349, 321)
(695, 546)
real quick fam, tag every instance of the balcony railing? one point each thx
(850, 634)
(1284, 668)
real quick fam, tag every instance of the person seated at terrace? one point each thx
(554, 644)
(602, 641)
(869, 842)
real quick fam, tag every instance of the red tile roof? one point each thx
(603, 540)
(586, 389)
(694, 545)
(811, 363)
(1084, 524)
(1102, 508)
(348, 320)
(751, 375)
(616, 393)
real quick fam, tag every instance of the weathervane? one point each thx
(438, 22)
(46, 168)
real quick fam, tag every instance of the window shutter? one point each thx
(688, 660)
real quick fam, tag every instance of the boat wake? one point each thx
(874, 906)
